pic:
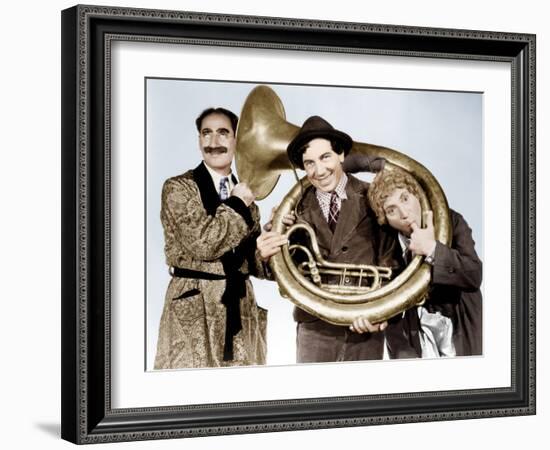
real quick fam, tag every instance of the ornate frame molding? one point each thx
(87, 34)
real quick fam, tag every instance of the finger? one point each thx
(269, 234)
(355, 326)
(272, 251)
(383, 325)
(289, 219)
(369, 326)
(274, 236)
(429, 219)
(373, 328)
(268, 226)
(363, 325)
(268, 250)
(265, 238)
(414, 226)
(274, 242)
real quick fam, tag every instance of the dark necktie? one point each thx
(334, 211)
(407, 255)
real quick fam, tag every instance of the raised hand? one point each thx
(423, 239)
(288, 219)
(357, 162)
(242, 191)
(269, 243)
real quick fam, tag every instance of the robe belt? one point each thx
(235, 289)
(178, 272)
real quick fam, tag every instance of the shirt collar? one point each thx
(216, 178)
(403, 242)
(340, 190)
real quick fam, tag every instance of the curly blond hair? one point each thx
(384, 183)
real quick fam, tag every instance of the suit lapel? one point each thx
(352, 212)
(312, 214)
(209, 195)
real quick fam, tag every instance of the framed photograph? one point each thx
(459, 102)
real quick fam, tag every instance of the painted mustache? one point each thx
(215, 149)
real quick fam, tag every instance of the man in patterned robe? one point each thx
(210, 317)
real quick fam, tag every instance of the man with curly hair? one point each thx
(450, 321)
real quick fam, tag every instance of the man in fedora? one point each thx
(336, 207)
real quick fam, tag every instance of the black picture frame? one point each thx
(87, 415)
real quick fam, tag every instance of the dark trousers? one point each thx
(319, 341)
(402, 336)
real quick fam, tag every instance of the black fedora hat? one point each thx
(315, 127)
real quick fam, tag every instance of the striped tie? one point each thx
(333, 212)
(407, 255)
(223, 189)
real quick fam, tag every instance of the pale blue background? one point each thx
(442, 130)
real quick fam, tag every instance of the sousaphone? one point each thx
(263, 135)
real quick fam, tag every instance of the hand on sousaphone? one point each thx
(358, 162)
(269, 243)
(242, 190)
(362, 325)
(288, 219)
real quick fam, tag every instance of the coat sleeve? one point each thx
(388, 250)
(459, 265)
(205, 237)
(257, 267)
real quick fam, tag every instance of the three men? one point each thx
(210, 317)
(336, 207)
(211, 224)
(450, 321)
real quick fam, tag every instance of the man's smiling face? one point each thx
(323, 165)
(217, 142)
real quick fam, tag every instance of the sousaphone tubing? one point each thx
(263, 135)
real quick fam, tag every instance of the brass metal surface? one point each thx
(262, 137)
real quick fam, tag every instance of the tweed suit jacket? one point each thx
(357, 238)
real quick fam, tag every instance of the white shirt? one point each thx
(216, 178)
(324, 197)
(436, 330)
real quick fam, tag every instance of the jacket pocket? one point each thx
(187, 294)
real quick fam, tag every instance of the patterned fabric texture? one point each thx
(192, 326)
(357, 239)
(333, 212)
(325, 198)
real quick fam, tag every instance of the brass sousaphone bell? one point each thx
(263, 135)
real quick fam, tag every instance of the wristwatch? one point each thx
(430, 259)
